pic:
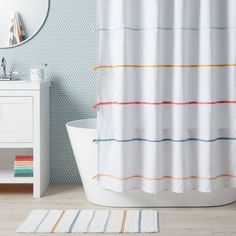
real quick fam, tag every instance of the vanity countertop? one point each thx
(23, 85)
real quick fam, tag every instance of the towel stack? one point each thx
(23, 166)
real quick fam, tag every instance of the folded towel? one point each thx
(23, 158)
(23, 162)
(17, 33)
(24, 165)
(23, 168)
(24, 175)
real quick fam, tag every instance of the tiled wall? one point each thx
(67, 42)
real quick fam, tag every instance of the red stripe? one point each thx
(18, 157)
(163, 103)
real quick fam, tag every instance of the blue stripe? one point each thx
(139, 221)
(73, 223)
(45, 216)
(105, 226)
(166, 28)
(164, 140)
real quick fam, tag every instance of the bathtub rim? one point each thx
(90, 124)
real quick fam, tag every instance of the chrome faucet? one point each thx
(4, 76)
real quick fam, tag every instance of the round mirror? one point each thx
(20, 20)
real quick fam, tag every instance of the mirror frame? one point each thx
(33, 35)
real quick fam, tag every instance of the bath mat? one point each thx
(90, 221)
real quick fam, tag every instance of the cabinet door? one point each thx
(16, 119)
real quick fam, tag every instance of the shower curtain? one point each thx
(166, 95)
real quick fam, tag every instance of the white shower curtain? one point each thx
(166, 95)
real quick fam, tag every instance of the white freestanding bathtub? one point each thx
(82, 133)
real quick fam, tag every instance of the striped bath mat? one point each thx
(90, 221)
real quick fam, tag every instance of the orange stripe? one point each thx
(54, 227)
(164, 177)
(163, 66)
(123, 222)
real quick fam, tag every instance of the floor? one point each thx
(15, 206)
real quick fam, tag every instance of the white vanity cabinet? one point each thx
(15, 111)
(24, 129)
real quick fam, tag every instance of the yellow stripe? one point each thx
(163, 66)
(123, 222)
(61, 216)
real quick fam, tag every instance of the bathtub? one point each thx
(81, 134)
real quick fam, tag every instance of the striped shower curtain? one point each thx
(166, 95)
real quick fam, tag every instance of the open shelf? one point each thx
(7, 156)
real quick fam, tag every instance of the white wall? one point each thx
(33, 13)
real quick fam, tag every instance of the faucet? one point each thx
(4, 76)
